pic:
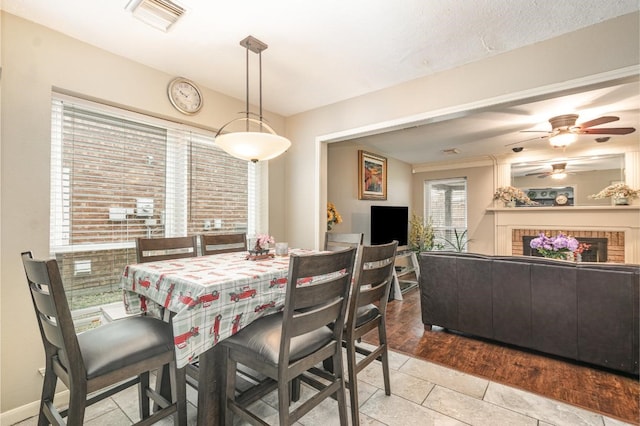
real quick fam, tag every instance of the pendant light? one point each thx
(258, 141)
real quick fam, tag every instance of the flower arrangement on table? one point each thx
(617, 191)
(333, 216)
(261, 248)
(510, 194)
(559, 247)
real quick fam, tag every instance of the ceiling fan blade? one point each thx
(611, 131)
(598, 121)
(527, 140)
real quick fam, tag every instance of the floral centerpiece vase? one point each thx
(559, 247)
(261, 248)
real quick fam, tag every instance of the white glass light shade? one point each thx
(558, 176)
(562, 139)
(253, 146)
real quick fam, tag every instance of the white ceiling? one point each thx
(323, 52)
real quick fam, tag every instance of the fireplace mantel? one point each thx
(587, 218)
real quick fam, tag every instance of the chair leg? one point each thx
(295, 390)
(48, 392)
(340, 393)
(382, 336)
(230, 367)
(143, 399)
(179, 392)
(77, 404)
(353, 382)
(283, 404)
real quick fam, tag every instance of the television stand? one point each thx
(406, 273)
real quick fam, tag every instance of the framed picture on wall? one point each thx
(372, 176)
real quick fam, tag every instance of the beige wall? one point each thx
(552, 64)
(342, 187)
(35, 59)
(479, 194)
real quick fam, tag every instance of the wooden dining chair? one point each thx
(366, 312)
(285, 345)
(222, 243)
(337, 241)
(100, 361)
(153, 249)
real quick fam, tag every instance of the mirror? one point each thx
(579, 177)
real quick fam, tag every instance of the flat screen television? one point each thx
(389, 223)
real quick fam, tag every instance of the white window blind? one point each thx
(446, 206)
(118, 175)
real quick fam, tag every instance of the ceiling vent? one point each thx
(160, 14)
(451, 151)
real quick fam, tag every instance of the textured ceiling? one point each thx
(324, 52)
(319, 52)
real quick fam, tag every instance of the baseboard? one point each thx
(31, 409)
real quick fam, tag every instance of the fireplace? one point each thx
(597, 252)
(606, 246)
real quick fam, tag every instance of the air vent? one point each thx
(451, 151)
(160, 14)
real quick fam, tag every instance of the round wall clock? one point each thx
(185, 96)
(561, 200)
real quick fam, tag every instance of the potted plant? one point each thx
(333, 216)
(459, 241)
(422, 235)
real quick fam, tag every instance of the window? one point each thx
(446, 206)
(118, 175)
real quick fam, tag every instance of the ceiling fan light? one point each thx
(558, 176)
(562, 139)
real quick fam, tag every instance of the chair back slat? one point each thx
(52, 309)
(372, 283)
(154, 249)
(42, 299)
(51, 331)
(334, 241)
(222, 243)
(312, 305)
(304, 322)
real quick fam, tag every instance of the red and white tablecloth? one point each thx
(213, 297)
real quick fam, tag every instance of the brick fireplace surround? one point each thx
(615, 240)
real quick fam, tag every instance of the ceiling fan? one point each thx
(564, 129)
(558, 171)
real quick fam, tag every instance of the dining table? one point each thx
(210, 298)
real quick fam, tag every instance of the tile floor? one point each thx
(423, 394)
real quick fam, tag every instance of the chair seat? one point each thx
(366, 313)
(113, 346)
(262, 337)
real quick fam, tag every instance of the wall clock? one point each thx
(185, 96)
(561, 200)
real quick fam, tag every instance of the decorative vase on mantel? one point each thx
(620, 201)
(510, 204)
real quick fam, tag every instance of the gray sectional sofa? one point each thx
(583, 311)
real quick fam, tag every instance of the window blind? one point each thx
(446, 206)
(118, 175)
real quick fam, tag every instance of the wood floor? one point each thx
(605, 392)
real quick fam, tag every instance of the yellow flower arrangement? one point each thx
(333, 216)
